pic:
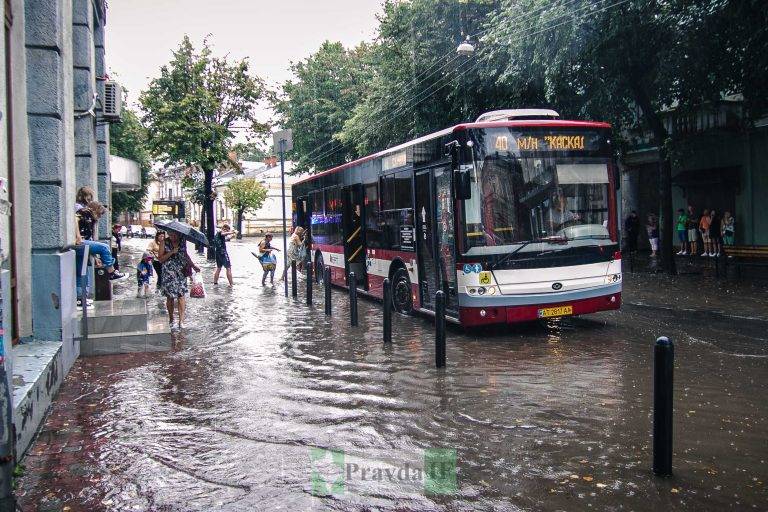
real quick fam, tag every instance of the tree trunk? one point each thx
(210, 225)
(199, 247)
(660, 136)
(239, 224)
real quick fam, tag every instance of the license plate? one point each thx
(556, 311)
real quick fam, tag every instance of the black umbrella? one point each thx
(185, 230)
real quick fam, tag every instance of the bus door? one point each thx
(354, 234)
(436, 237)
(425, 234)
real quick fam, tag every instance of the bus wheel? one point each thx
(402, 300)
(319, 268)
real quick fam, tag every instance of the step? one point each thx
(155, 338)
(37, 375)
(117, 316)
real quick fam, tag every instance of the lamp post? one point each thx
(283, 141)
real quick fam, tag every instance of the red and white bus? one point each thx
(512, 216)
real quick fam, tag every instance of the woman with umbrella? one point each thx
(177, 267)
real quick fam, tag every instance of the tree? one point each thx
(192, 108)
(244, 195)
(315, 105)
(420, 84)
(633, 62)
(128, 139)
(251, 151)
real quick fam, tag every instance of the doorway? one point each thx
(354, 234)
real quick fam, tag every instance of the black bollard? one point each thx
(387, 303)
(327, 284)
(440, 329)
(309, 283)
(294, 285)
(663, 368)
(352, 299)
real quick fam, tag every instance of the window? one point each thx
(396, 213)
(374, 235)
(318, 227)
(332, 218)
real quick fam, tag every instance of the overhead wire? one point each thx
(418, 99)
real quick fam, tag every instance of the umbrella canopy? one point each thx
(184, 229)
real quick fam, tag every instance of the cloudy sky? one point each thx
(142, 33)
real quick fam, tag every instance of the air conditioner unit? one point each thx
(113, 100)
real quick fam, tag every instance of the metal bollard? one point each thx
(327, 284)
(309, 283)
(387, 303)
(663, 368)
(294, 287)
(440, 329)
(352, 299)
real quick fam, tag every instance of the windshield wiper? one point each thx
(507, 256)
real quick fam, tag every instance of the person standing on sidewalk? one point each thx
(682, 231)
(220, 240)
(692, 224)
(144, 275)
(715, 236)
(632, 229)
(177, 267)
(652, 228)
(154, 249)
(728, 229)
(704, 230)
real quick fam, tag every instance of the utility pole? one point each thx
(283, 141)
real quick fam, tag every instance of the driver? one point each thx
(559, 214)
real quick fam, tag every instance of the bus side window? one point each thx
(373, 233)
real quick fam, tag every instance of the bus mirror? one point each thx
(463, 185)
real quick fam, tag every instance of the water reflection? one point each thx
(544, 416)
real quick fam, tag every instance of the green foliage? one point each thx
(251, 151)
(245, 194)
(128, 139)
(193, 106)
(319, 101)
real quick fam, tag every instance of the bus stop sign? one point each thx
(283, 135)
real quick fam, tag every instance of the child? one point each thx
(144, 274)
(682, 231)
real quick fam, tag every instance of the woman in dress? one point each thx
(296, 251)
(175, 269)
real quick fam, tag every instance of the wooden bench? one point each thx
(746, 256)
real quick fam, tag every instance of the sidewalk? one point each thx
(695, 288)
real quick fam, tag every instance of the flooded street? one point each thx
(244, 412)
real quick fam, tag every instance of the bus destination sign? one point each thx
(547, 142)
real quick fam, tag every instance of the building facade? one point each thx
(719, 160)
(53, 140)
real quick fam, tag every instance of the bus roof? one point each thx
(526, 123)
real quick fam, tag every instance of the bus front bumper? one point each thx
(499, 314)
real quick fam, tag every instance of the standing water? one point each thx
(265, 403)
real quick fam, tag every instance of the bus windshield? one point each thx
(537, 187)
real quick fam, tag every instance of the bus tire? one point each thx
(402, 298)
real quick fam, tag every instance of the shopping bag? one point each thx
(268, 261)
(197, 291)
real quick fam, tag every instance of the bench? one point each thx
(746, 256)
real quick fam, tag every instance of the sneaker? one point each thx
(138, 294)
(684, 253)
(678, 253)
(114, 276)
(717, 254)
(88, 303)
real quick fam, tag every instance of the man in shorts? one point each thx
(220, 251)
(682, 231)
(693, 231)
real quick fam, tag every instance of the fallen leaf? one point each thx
(588, 478)
(674, 490)
(574, 477)
(600, 486)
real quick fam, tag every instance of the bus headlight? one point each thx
(481, 290)
(471, 291)
(491, 290)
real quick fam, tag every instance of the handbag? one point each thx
(197, 291)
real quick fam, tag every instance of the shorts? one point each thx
(682, 235)
(705, 235)
(692, 235)
(222, 260)
(654, 244)
(728, 238)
